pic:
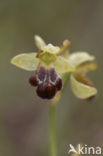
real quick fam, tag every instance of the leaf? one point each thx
(62, 65)
(81, 90)
(26, 61)
(40, 43)
(78, 58)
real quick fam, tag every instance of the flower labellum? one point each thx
(48, 82)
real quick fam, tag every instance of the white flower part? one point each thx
(51, 49)
(81, 90)
(78, 58)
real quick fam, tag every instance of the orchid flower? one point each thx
(51, 63)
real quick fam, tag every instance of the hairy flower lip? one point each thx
(59, 84)
(41, 75)
(46, 91)
(33, 80)
(47, 81)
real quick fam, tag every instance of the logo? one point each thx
(84, 149)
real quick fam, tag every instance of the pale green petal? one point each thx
(78, 58)
(51, 49)
(26, 61)
(40, 43)
(62, 65)
(81, 90)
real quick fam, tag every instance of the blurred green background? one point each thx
(24, 121)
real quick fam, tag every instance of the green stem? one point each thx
(53, 148)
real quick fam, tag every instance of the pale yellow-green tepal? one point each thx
(50, 56)
(82, 87)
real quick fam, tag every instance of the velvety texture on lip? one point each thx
(48, 82)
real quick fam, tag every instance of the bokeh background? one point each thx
(24, 118)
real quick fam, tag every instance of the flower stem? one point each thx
(53, 148)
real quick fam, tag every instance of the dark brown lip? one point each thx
(47, 81)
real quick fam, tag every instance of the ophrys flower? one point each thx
(51, 63)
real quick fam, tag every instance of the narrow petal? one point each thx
(82, 90)
(84, 68)
(26, 61)
(64, 48)
(62, 65)
(78, 58)
(40, 43)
